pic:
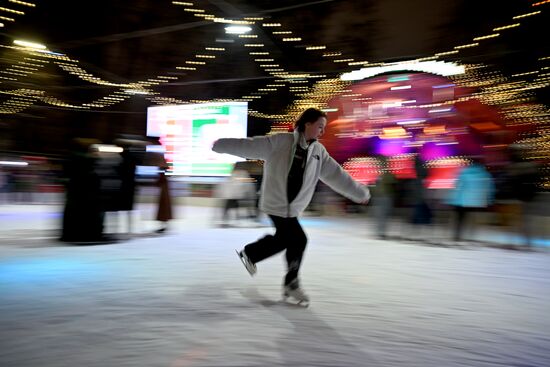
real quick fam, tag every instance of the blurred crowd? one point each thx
(97, 178)
(508, 196)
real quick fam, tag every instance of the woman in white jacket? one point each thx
(293, 164)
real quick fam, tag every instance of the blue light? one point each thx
(394, 79)
(29, 215)
(443, 86)
(39, 270)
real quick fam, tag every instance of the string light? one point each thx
(506, 27)
(288, 75)
(7, 10)
(190, 10)
(31, 5)
(447, 53)
(466, 46)
(487, 37)
(526, 15)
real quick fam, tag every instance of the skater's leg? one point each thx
(289, 235)
(296, 241)
(269, 245)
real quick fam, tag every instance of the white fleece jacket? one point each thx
(277, 151)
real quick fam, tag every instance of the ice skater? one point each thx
(293, 164)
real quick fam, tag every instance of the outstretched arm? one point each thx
(340, 181)
(258, 147)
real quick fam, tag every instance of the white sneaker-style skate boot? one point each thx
(296, 293)
(249, 265)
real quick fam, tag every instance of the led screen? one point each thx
(187, 133)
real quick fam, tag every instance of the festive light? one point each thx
(28, 44)
(466, 46)
(526, 15)
(434, 67)
(401, 87)
(284, 74)
(487, 37)
(13, 163)
(237, 29)
(31, 5)
(332, 54)
(506, 27)
(447, 53)
(12, 11)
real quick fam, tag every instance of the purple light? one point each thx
(432, 151)
(391, 147)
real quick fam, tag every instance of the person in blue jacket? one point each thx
(474, 191)
(293, 164)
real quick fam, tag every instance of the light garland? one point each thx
(273, 69)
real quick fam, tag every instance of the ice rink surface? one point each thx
(184, 299)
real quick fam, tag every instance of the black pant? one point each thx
(230, 204)
(288, 235)
(461, 218)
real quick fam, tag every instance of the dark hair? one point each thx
(309, 115)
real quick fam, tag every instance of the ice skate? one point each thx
(292, 293)
(249, 265)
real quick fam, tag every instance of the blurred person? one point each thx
(107, 165)
(522, 178)
(237, 192)
(23, 185)
(422, 213)
(474, 191)
(10, 186)
(164, 212)
(293, 164)
(384, 196)
(3, 186)
(83, 216)
(256, 175)
(132, 155)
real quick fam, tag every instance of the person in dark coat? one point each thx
(384, 196)
(523, 177)
(164, 213)
(83, 215)
(422, 213)
(132, 155)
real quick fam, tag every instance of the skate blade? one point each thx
(242, 260)
(295, 302)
